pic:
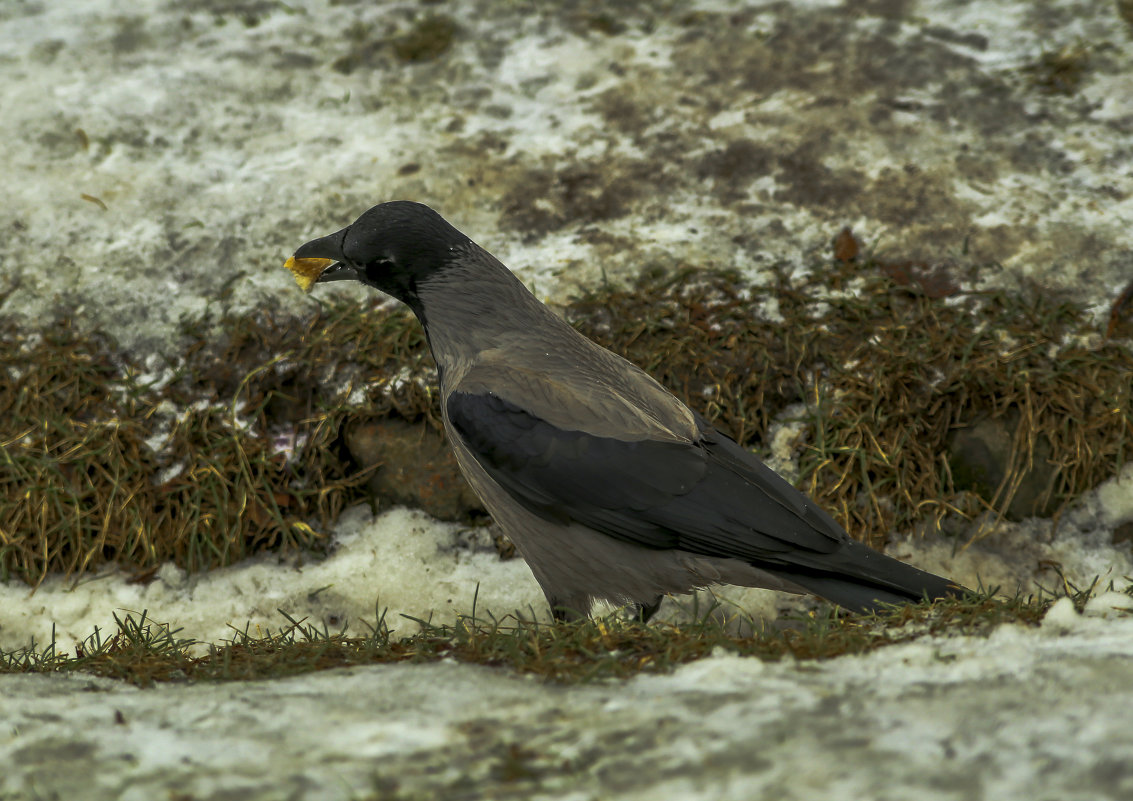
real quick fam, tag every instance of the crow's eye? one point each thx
(378, 269)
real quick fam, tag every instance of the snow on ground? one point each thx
(403, 562)
(163, 160)
(1024, 715)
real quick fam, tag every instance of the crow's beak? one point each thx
(321, 260)
(339, 271)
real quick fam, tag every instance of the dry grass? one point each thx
(144, 652)
(239, 447)
(888, 374)
(239, 452)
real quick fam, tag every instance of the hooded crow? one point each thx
(608, 485)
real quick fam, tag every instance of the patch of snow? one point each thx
(1024, 714)
(401, 562)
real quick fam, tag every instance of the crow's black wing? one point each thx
(709, 497)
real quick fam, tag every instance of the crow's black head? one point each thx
(393, 247)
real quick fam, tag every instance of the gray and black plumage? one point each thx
(608, 485)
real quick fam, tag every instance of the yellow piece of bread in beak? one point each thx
(307, 271)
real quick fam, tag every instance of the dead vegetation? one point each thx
(239, 446)
(888, 372)
(146, 653)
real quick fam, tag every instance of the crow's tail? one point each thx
(861, 580)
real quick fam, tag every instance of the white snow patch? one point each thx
(1014, 717)
(402, 562)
